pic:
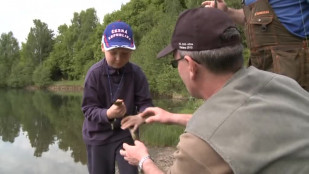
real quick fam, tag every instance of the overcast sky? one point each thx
(18, 15)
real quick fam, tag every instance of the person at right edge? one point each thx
(251, 121)
(277, 33)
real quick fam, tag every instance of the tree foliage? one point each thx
(9, 54)
(74, 47)
(67, 56)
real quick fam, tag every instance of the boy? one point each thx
(114, 87)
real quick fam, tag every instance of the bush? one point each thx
(41, 76)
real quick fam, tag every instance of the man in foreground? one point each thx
(252, 121)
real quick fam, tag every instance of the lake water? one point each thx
(40, 131)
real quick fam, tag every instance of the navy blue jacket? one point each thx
(103, 85)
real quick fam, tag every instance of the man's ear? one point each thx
(192, 67)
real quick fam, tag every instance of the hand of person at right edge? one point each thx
(221, 5)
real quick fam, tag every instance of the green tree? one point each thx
(42, 76)
(83, 25)
(60, 58)
(37, 48)
(74, 47)
(39, 42)
(9, 54)
(39, 45)
(193, 3)
(21, 74)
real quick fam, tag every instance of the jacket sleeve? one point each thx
(92, 107)
(200, 159)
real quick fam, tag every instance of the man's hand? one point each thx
(133, 154)
(156, 114)
(132, 122)
(237, 15)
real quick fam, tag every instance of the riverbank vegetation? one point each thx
(47, 59)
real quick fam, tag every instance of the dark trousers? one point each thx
(101, 158)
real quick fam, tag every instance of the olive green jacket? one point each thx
(258, 123)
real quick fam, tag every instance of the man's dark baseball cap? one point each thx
(200, 29)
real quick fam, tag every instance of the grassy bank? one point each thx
(68, 83)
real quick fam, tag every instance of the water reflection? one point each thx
(40, 132)
(17, 158)
(40, 124)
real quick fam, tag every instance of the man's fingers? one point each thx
(206, 3)
(125, 146)
(125, 125)
(150, 120)
(213, 4)
(143, 114)
(122, 152)
(137, 142)
(147, 113)
(124, 120)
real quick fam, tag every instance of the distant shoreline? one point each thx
(79, 88)
(65, 88)
(58, 88)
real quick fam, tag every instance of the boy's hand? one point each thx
(117, 110)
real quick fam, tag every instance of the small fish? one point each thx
(113, 124)
(118, 102)
(134, 134)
